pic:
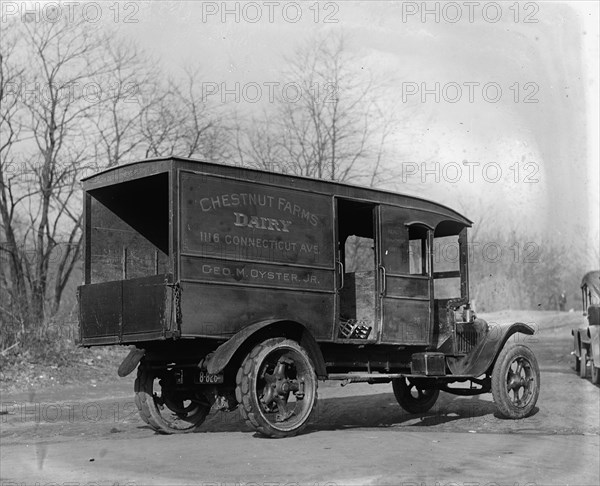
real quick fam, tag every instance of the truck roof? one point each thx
(592, 281)
(153, 166)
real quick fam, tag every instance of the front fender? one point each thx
(219, 359)
(484, 354)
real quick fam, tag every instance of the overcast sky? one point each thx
(544, 52)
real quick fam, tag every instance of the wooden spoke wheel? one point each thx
(515, 381)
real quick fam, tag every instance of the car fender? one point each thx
(220, 358)
(483, 356)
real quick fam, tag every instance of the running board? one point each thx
(387, 377)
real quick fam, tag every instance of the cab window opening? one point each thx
(418, 261)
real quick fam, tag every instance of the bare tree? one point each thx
(333, 127)
(40, 202)
(179, 120)
(13, 302)
(86, 99)
(130, 93)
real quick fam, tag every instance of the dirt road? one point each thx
(358, 435)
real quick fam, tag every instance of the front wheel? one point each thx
(515, 381)
(412, 396)
(277, 388)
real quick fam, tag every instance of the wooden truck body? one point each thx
(225, 279)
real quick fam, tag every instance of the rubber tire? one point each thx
(408, 402)
(595, 374)
(576, 363)
(499, 375)
(583, 363)
(245, 391)
(144, 400)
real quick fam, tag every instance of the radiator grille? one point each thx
(466, 339)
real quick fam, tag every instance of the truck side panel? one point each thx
(251, 251)
(241, 220)
(221, 311)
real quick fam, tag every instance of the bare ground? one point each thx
(90, 432)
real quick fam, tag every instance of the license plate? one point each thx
(204, 378)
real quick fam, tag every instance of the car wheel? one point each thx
(515, 381)
(167, 410)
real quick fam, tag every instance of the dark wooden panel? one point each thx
(219, 310)
(108, 235)
(394, 239)
(405, 321)
(358, 298)
(257, 274)
(144, 304)
(248, 221)
(100, 309)
(407, 287)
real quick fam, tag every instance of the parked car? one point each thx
(243, 288)
(586, 339)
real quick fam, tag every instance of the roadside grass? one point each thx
(46, 361)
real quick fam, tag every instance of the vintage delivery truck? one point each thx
(243, 288)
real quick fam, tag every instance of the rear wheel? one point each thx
(277, 388)
(166, 409)
(412, 396)
(515, 381)
(583, 363)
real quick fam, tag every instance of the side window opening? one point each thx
(418, 262)
(446, 262)
(359, 254)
